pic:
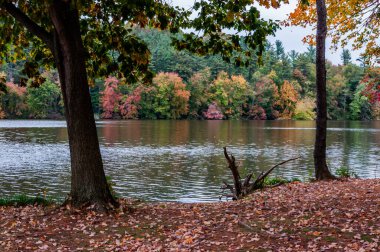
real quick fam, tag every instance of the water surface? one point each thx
(178, 160)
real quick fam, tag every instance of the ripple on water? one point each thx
(186, 166)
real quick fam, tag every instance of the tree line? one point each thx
(188, 86)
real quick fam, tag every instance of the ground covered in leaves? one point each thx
(323, 216)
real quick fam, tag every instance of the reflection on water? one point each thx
(178, 160)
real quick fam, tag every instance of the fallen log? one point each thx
(242, 188)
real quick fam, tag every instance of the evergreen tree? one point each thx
(346, 57)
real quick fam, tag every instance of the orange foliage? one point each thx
(352, 20)
(13, 88)
(16, 100)
(287, 100)
(271, 3)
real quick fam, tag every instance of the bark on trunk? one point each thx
(88, 181)
(321, 169)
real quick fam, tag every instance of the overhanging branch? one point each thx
(29, 24)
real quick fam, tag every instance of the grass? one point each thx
(367, 238)
(344, 172)
(270, 181)
(24, 200)
(111, 185)
(275, 181)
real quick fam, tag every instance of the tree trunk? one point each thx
(321, 169)
(88, 181)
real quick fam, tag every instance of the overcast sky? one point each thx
(290, 36)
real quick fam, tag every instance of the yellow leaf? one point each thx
(189, 240)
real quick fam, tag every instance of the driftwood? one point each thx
(242, 188)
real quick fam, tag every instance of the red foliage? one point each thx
(213, 112)
(16, 89)
(111, 97)
(298, 75)
(372, 90)
(275, 114)
(266, 95)
(16, 100)
(256, 113)
(129, 109)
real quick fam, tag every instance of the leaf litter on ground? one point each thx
(320, 216)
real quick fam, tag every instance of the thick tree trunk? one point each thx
(88, 181)
(321, 169)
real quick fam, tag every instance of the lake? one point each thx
(179, 160)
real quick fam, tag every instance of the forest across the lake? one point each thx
(187, 86)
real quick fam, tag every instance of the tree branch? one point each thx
(243, 188)
(262, 176)
(29, 24)
(235, 172)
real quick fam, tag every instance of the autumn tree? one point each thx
(110, 97)
(287, 100)
(170, 96)
(265, 96)
(305, 73)
(83, 40)
(304, 109)
(130, 104)
(372, 80)
(319, 16)
(213, 112)
(13, 101)
(230, 94)
(198, 84)
(355, 21)
(366, 100)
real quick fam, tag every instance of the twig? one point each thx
(263, 176)
(245, 225)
